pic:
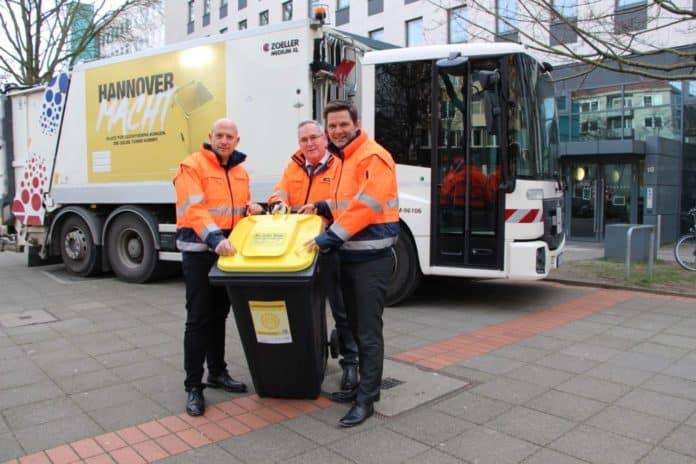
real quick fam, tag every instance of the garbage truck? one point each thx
(88, 159)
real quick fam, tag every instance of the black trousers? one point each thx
(331, 281)
(207, 308)
(364, 286)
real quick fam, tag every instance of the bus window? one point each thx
(549, 127)
(518, 119)
(402, 111)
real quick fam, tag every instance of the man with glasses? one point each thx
(308, 185)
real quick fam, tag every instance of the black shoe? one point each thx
(195, 406)
(350, 377)
(357, 414)
(348, 396)
(226, 382)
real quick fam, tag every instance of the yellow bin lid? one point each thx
(272, 243)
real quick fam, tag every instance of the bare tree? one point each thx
(629, 40)
(39, 37)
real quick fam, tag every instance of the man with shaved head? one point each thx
(212, 196)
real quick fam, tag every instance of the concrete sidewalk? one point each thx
(549, 373)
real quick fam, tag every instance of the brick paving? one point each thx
(559, 374)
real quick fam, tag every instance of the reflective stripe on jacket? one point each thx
(366, 210)
(297, 187)
(210, 199)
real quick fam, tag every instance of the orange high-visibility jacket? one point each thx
(210, 199)
(453, 191)
(366, 210)
(298, 187)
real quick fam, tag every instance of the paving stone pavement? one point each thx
(557, 374)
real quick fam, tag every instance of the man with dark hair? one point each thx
(309, 184)
(365, 228)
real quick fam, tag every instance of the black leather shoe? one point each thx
(357, 414)
(195, 406)
(226, 382)
(350, 377)
(346, 396)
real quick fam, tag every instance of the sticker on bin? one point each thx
(272, 243)
(270, 320)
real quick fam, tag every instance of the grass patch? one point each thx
(667, 275)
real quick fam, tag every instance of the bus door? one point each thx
(467, 222)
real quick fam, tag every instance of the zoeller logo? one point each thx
(282, 47)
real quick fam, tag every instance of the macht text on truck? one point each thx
(89, 158)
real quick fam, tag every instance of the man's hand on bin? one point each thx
(307, 209)
(253, 208)
(311, 246)
(225, 248)
(280, 208)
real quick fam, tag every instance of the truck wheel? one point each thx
(131, 249)
(406, 274)
(77, 248)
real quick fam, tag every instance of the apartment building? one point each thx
(140, 28)
(628, 152)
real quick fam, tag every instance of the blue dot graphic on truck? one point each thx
(54, 99)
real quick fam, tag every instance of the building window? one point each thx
(241, 25)
(191, 16)
(507, 17)
(223, 8)
(588, 126)
(374, 7)
(563, 16)
(206, 12)
(654, 121)
(456, 24)
(414, 32)
(566, 8)
(223, 30)
(287, 11)
(589, 106)
(625, 4)
(241, 4)
(377, 34)
(562, 103)
(263, 18)
(630, 15)
(342, 12)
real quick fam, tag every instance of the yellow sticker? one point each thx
(271, 322)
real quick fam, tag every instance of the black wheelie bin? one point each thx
(278, 303)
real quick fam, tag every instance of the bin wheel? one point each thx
(333, 344)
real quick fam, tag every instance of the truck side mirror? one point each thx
(490, 81)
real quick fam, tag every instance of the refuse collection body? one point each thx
(278, 303)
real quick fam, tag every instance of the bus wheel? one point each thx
(406, 274)
(131, 249)
(77, 248)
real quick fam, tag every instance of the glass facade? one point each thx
(632, 111)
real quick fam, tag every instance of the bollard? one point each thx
(651, 249)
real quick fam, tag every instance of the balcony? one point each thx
(620, 133)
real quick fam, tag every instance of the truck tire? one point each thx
(77, 249)
(131, 249)
(406, 274)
